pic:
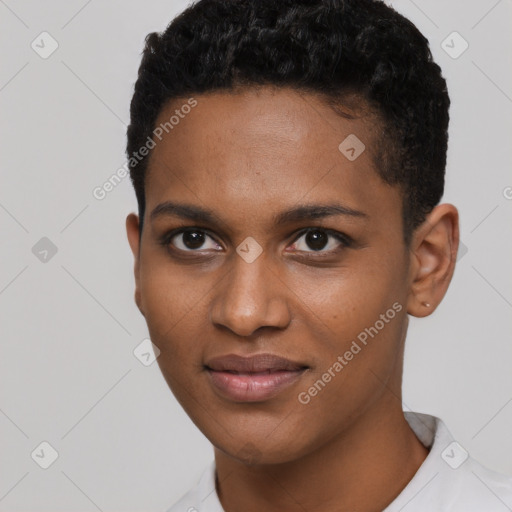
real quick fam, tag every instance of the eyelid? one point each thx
(342, 237)
(167, 237)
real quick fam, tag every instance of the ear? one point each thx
(433, 251)
(132, 231)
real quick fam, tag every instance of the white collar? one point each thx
(448, 480)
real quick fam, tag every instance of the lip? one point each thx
(252, 379)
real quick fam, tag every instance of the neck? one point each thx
(364, 468)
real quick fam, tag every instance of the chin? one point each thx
(266, 452)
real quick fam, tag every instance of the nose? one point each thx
(249, 297)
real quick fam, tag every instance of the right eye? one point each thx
(190, 240)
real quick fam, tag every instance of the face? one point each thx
(262, 238)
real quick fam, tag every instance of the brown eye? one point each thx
(192, 239)
(316, 240)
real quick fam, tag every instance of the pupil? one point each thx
(193, 239)
(316, 240)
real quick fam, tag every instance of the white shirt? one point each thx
(449, 480)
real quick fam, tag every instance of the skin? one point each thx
(248, 156)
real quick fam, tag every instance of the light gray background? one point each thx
(69, 326)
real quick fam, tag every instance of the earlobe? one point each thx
(132, 231)
(433, 256)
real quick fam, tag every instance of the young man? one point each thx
(288, 160)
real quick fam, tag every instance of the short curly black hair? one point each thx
(335, 48)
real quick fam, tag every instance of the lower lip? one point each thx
(253, 387)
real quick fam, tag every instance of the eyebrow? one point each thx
(300, 213)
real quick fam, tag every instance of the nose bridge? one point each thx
(250, 297)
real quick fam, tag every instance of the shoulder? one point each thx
(480, 488)
(202, 497)
(450, 479)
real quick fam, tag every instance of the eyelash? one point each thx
(345, 240)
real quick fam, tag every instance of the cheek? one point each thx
(358, 321)
(345, 301)
(175, 308)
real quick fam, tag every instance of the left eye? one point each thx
(318, 239)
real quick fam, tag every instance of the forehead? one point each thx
(257, 149)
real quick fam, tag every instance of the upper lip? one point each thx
(255, 363)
